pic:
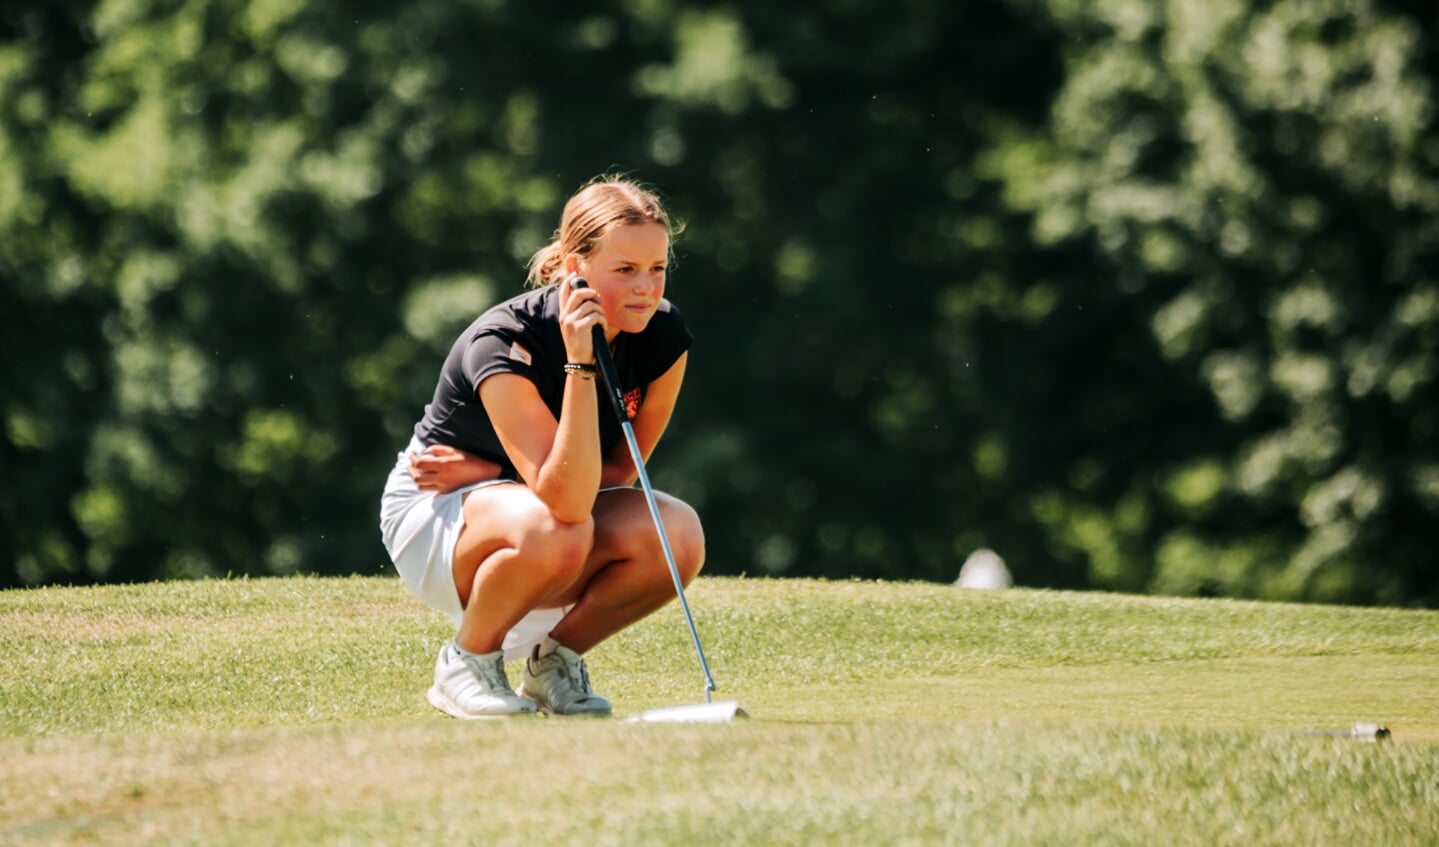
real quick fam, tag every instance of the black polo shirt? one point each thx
(522, 336)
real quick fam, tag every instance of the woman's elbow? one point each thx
(572, 515)
(569, 507)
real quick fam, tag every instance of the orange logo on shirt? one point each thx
(632, 403)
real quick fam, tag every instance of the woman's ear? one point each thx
(572, 264)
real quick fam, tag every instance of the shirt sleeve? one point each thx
(670, 342)
(497, 351)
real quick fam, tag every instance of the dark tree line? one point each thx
(1143, 296)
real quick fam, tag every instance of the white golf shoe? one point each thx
(471, 687)
(560, 684)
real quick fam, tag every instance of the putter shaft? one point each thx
(617, 402)
(669, 554)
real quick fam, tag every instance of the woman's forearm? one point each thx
(442, 469)
(569, 478)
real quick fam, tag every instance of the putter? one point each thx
(710, 711)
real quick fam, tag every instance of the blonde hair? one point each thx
(600, 205)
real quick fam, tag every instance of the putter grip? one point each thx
(607, 365)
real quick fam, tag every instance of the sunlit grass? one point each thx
(292, 711)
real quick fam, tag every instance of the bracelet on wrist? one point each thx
(583, 371)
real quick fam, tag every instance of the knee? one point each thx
(687, 540)
(559, 548)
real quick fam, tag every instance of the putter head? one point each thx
(722, 711)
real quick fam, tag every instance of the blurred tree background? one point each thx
(1143, 295)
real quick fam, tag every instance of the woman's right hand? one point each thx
(580, 312)
(442, 469)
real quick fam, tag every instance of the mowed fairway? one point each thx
(292, 711)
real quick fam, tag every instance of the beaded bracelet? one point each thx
(580, 370)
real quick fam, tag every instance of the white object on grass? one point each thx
(721, 711)
(984, 569)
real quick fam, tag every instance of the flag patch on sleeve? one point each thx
(520, 354)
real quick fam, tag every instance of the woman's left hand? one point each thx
(442, 469)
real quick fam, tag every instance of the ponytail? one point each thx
(545, 264)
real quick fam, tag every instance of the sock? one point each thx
(548, 646)
(457, 651)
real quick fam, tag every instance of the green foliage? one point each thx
(1260, 185)
(1140, 295)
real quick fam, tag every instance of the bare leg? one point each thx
(625, 576)
(512, 556)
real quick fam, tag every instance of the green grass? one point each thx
(291, 711)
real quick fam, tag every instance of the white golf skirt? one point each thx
(420, 529)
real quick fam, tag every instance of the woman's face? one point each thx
(627, 268)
